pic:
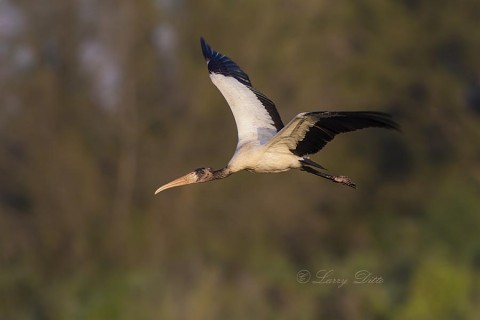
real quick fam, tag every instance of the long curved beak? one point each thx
(186, 179)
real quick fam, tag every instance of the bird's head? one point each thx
(196, 176)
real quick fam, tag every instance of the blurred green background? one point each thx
(101, 102)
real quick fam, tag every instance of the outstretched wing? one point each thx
(309, 132)
(256, 117)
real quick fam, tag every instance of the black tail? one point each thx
(312, 163)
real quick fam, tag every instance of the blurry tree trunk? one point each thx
(122, 44)
(127, 161)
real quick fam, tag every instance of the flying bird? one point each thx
(265, 144)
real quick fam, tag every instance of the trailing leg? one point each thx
(338, 179)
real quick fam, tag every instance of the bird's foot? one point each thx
(346, 181)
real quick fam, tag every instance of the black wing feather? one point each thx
(330, 124)
(221, 64)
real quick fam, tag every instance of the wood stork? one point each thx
(264, 143)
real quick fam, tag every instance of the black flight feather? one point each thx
(329, 124)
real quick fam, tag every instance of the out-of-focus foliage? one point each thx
(103, 101)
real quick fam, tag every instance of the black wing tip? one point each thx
(206, 50)
(386, 119)
(383, 119)
(221, 64)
